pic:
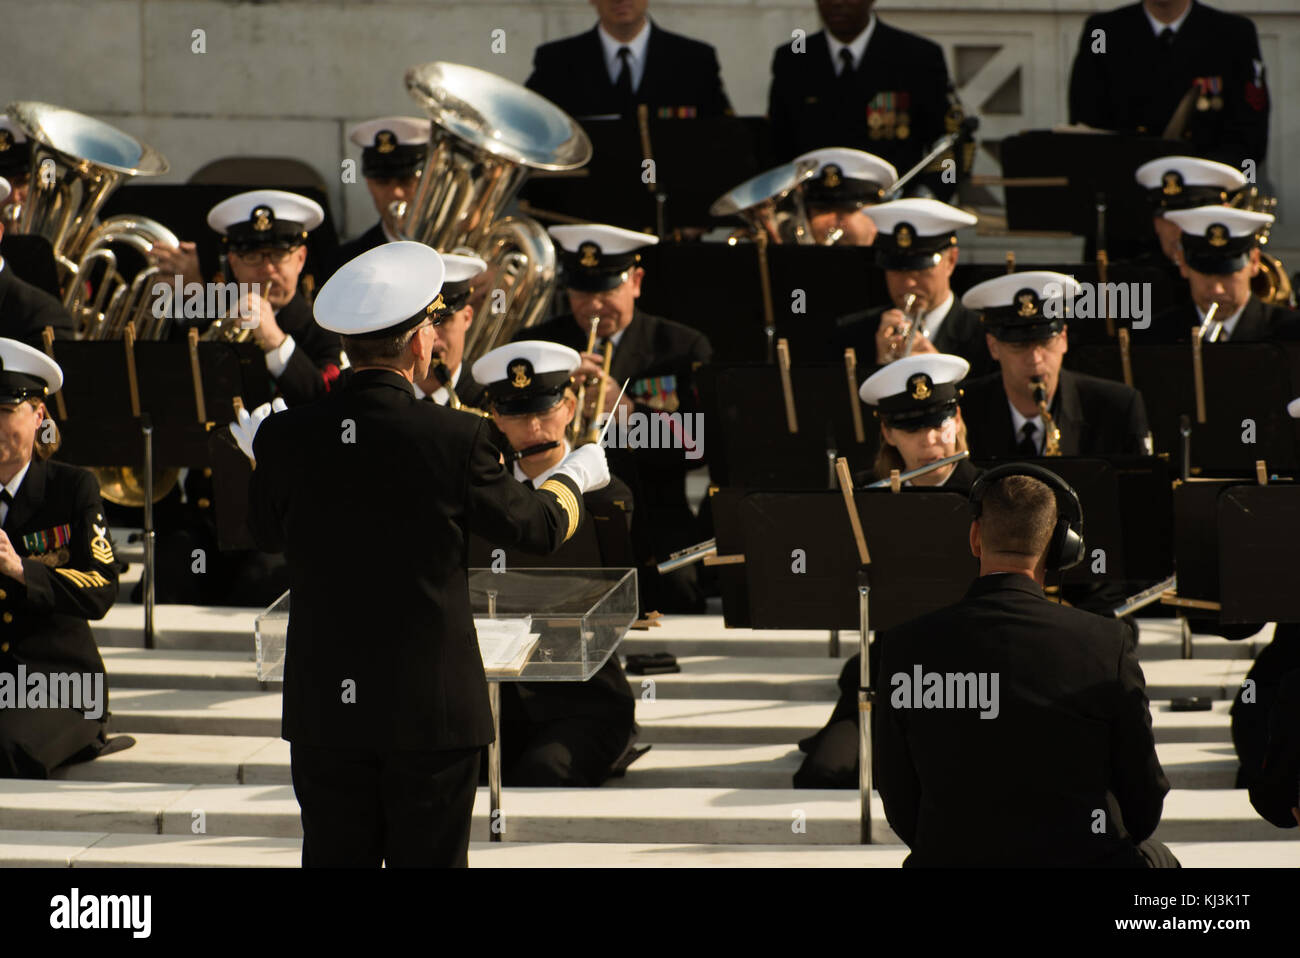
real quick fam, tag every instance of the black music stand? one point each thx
(172, 430)
(920, 557)
(1259, 553)
(1242, 381)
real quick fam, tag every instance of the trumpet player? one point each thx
(1220, 253)
(846, 184)
(264, 236)
(393, 151)
(917, 248)
(1026, 332)
(450, 324)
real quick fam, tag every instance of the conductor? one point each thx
(372, 494)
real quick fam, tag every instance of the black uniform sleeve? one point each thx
(87, 586)
(1245, 102)
(542, 79)
(1277, 791)
(267, 491)
(1089, 89)
(507, 512)
(896, 778)
(780, 111)
(1138, 782)
(313, 368)
(714, 102)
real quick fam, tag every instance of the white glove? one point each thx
(245, 427)
(587, 467)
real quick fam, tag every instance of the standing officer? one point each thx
(863, 84)
(1056, 761)
(558, 734)
(26, 310)
(659, 356)
(1220, 257)
(626, 60)
(372, 495)
(917, 246)
(844, 185)
(1175, 69)
(393, 151)
(1024, 316)
(56, 571)
(264, 234)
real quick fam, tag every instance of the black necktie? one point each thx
(623, 85)
(5, 500)
(1027, 446)
(1166, 38)
(846, 63)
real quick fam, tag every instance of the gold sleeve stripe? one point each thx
(84, 580)
(568, 502)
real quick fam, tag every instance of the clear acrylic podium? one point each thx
(553, 625)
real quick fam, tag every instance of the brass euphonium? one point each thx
(1271, 284)
(1052, 445)
(488, 135)
(76, 164)
(772, 203)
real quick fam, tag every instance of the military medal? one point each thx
(1216, 101)
(1202, 99)
(903, 129)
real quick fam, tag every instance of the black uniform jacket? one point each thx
(899, 92)
(961, 333)
(25, 310)
(1097, 417)
(1135, 85)
(346, 252)
(1258, 323)
(314, 366)
(681, 76)
(1071, 744)
(371, 495)
(56, 523)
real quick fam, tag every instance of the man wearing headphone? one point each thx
(1053, 762)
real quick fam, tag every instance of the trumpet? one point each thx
(913, 323)
(443, 375)
(1053, 445)
(1212, 326)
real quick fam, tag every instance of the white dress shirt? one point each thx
(636, 62)
(12, 488)
(1158, 28)
(857, 47)
(932, 320)
(1018, 421)
(541, 477)
(1229, 324)
(441, 397)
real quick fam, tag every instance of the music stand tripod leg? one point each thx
(496, 817)
(864, 713)
(149, 543)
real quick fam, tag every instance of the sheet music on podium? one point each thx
(505, 644)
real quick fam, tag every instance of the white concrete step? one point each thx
(104, 850)
(669, 720)
(253, 760)
(140, 668)
(694, 815)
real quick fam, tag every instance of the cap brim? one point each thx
(596, 283)
(1217, 265)
(537, 402)
(1026, 332)
(931, 419)
(909, 261)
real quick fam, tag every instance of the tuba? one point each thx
(1271, 284)
(772, 204)
(488, 135)
(76, 164)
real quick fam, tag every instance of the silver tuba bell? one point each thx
(771, 203)
(488, 135)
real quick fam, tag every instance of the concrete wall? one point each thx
(286, 77)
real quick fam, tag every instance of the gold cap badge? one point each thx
(831, 176)
(1173, 183)
(904, 235)
(519, 374)
(1028, 304)
(262, 217)
(589, 255)
(1217, 235)
(920, 386)
(385, 141)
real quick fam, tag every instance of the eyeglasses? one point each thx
(1029, 345)
(257, 257)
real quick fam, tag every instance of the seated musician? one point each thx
(25, 309)
(1220, 258)
(842, 190)
(451, 325)
(917, 248)
(56, 571)
(557, 733)
(915, 399)
(1179, 183)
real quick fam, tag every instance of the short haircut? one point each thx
(374, 349)
(1017, 517)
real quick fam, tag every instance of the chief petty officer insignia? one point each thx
(657, 392)
(49, 547)
(101, 550)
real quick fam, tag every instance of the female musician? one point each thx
(56, 571)
(916, 400)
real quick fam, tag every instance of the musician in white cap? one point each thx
(1220, 257)
(264, 235)
(658, 357)
(15, 162)
(917, 247)
(837, 197)
(57, 570)
(1183, 182)
(25, 310)
(371, 494)
(460, 292)
(915, 400)
(393, 151)
(1024, 315)
(559, 734)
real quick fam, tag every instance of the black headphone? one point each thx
(1066, 548)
